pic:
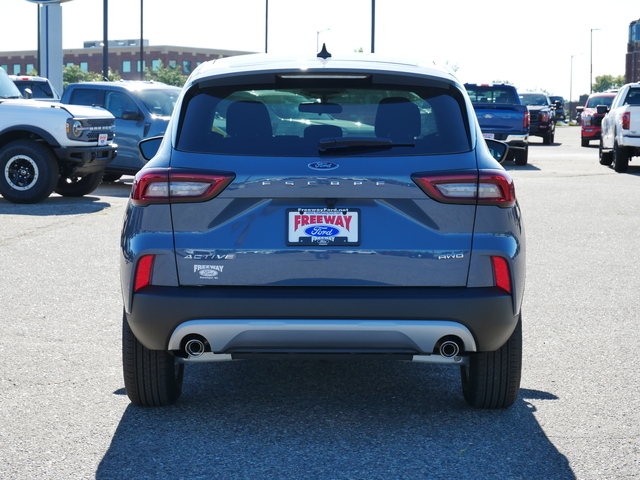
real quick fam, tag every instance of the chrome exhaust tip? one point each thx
(449, 349)
(194, 347)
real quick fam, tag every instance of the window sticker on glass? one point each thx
(323, 226)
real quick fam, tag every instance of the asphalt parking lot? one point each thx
(65, 415)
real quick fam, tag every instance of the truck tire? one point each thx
(28, 171)
(620, 158)
(584, 142)
(492, 379)
(79, 186)
(605, 157)
(152, 378)
(521, 156)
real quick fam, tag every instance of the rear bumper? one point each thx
(517, 141)
(629, 141)
(348, 320)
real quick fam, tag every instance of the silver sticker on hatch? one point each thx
(208, 271)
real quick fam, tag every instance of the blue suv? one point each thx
(370, 221)
(141, 109)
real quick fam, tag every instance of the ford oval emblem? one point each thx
(321, 231)
(323, 166)
(208, 273)
(488, 115)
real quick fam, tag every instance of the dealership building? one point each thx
(124, 58)
(632, 70)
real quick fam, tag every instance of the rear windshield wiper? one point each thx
(359, 143)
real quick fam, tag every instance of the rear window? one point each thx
(633, 97)
(38, 89)
(318, 118)
(491, 94)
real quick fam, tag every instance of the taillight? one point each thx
(143, 272)
(175, 186)
(501, 273)
(489, 187)
(626, 120)
(527, 119)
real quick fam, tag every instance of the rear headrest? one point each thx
(397, 119)
(248, 119)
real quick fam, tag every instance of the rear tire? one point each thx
(492, 379)
(521, 156)
(620, 158)
(152, 378)
(28, 171)
(79, 186)
(605, 157)
(584, 142)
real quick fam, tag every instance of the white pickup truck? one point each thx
(46, 147)
(621, 128)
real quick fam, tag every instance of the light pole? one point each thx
(571, 85)
(105, 42)
(318, 38)
(266, 25)
(591, 63)
(373, 26)
(141, 41)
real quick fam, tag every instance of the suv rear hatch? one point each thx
(317, 181)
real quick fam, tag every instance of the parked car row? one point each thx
(138, 109)
(47, 147)
(505, 115)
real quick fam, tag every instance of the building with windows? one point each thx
(124, 58)
(632, 70)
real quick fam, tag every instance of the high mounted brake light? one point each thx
(489, 187)
(177, 186)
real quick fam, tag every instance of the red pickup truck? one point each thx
(590, 119)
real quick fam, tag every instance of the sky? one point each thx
(546, 45)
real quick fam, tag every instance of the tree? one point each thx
(74, 74)
(607, 82)
(169, 75)
(454, 67)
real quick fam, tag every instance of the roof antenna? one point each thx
(324, 53)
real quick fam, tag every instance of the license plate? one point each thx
(102, 139)
(323, 226)
(488, 135)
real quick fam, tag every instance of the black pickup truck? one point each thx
(543, 116)
(502, 117)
